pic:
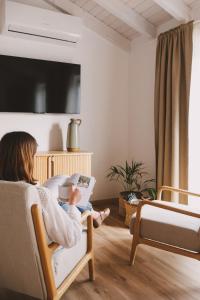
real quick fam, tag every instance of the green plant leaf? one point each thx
(151, 192)
(130, 176)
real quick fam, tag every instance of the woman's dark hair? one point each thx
(17, 150)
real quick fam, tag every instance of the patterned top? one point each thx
(62, 227)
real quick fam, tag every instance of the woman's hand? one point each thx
(75, 196)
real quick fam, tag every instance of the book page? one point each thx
(60, 187)
(85, 184)
(53, 183)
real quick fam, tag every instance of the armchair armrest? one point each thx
(166, 207)
(85, 215)
(46, 252)
(53, 246)
(172, 189)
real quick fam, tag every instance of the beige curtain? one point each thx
(172, 86)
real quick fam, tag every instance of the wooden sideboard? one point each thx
(52, 163)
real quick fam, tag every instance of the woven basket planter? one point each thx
(130, 209)
(126, 210)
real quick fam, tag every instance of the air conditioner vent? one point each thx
(37, 22)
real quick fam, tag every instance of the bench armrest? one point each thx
(166, 207)
(172, 189)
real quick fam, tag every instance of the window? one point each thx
(194, 119)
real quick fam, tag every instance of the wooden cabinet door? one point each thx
(71, 163)
(42, 165)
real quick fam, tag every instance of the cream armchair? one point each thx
(28, 265)
(167, 225)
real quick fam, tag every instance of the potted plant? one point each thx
(134, 182)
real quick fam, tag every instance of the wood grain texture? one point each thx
(69, 164)
(52, 163)
(41, 168)
(45, 252)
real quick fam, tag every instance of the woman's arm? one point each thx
(62, 227)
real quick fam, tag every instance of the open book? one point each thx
(60, 187)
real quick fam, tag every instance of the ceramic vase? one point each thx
(73, 138)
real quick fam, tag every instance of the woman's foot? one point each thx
(100, 217)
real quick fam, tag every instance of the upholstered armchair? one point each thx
(167, 225)
(28, 264)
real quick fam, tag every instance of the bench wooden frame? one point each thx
(138, 239)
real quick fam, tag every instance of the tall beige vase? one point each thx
(73, 138)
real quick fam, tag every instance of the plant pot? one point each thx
(129, 195)
(124, 197)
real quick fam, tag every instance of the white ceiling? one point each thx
(122, 21)
(153, 12)
(146, 8)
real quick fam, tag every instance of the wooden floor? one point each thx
(156, 275)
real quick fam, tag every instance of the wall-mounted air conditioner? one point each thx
(33, 21)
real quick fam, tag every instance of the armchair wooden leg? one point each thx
(91, 269)
(90, 248)
(136, 235)
(133, 249)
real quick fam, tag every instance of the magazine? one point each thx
(60, 187)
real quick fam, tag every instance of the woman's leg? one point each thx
(98, 216)
(84, 208)
(95, 214)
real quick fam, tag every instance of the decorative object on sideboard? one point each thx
(132, 178)
(73, 137)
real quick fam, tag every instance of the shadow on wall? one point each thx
(55, 138)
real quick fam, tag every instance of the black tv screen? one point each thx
(38, 86)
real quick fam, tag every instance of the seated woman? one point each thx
(17, 150)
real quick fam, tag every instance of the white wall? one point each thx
(141, 109)
(104, 103)
(105, 96)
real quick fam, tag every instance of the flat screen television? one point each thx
(39, 86)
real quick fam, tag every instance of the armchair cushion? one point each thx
(169, 227)
(64, 260)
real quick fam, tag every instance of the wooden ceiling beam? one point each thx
(177, 9)
(128, 16)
